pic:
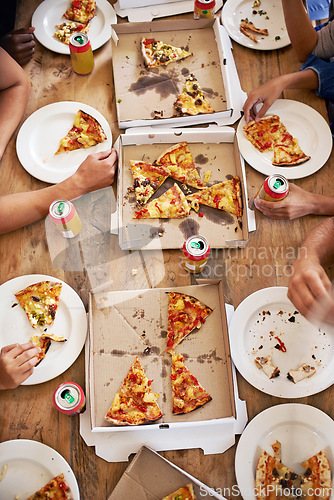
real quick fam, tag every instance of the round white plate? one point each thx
(70, 322)
(38, 140)
(235, 10)
(252, 327)
(49, 13)
(31, 465)
(302, 431)
(305, 124)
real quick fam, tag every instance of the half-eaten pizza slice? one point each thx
(135, 403)
(249, 29)
(192, 100)
(147, 178)
(43, 342)
(304, 371)
(224, 196)
(264, 363)
(40, 302)
(170, 205)
(66, 29)
(86, 132)
(157, 53)
(188, 394)
(57, 489)
(185, 313)
(289, 154)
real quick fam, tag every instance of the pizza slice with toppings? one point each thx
(170, 205)
(184, 493)
(66, 29)
(316, 480)
(157, 53)
(86, 132)
(57, 489)
(289, 154)
(185, 313)
(43, 342)
(40, 302)
(178, 159)
(147, 178)
(267, 132)
(188, 394)
(81, 11)
(224, 196)
(192, 100)
(135, 403)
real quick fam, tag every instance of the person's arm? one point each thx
(271, 90)
(14, 95)
(309, 284)
(17, 362)
(301, 32)
(297, 204)
(19, 209)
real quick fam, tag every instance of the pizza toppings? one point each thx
(264, 363)
(40, 302)
(188, 394)
(289, 154)
(178, 159)
(66, 29)
(157, 53)
(304, 371)
(185, 313)
(170, 205)
(81, 11)
(184, 493)
(86, 132)
(249, 29)
(43, 342)
(147, 177)
(57, 489)
(192, 100)
(224, 196)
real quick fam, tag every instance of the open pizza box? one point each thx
(152, 477)
(145, 97)
(213, 149)
(151, 9)
(126, 324)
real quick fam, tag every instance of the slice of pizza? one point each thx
(188, 394)
(40, 302)
(267, 132)
(147, 178)
(81, 11)
(135, 403)
(224, 196)
(57, 489)
(178, 159)
(316, 480)
(184, 493)
(264, 363)
(157, 53)
(192, 100)
(43, 342)
(170, 205)
(185, 313)
(86, 132)
(249, 29)
(304, 371)
(66, 29)
(289, 154)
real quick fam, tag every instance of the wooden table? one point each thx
(27, 412)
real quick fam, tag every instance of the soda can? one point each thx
(69, 398)
(65, 217)
(81, 53)
(204, 8)
(196, 251)
(274, 188)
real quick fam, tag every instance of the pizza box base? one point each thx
(213, 148)
(146, 96)
(152, 477)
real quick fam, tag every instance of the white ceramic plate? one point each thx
(31, 465)
(302, 431)
(38, 140)
(70, 322)
(303, 122)
(252, 327)
(50, 12)
(235, 10)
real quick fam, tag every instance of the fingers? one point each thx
(308, 287)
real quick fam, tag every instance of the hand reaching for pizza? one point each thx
(19, 44)
(17, 362)
(266, 94)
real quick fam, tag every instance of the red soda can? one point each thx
(81, 53)
(204, 8)
(69, 398)
(274, 188)
(196, 251)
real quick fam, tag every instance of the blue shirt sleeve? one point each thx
(325, 72)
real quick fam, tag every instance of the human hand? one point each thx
(19, 44)
(96, 171)
(296, 204)
(17, 362)
(266, 94)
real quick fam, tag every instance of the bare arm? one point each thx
(19, 209)
(14, 95)
(301, 32)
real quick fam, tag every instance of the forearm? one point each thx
(305, 79)
(301, 32)
(318, 245)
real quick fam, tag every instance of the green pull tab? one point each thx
(79, 39)
(60, 208)
(278, 183)
(194, 244)
(68, 397)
